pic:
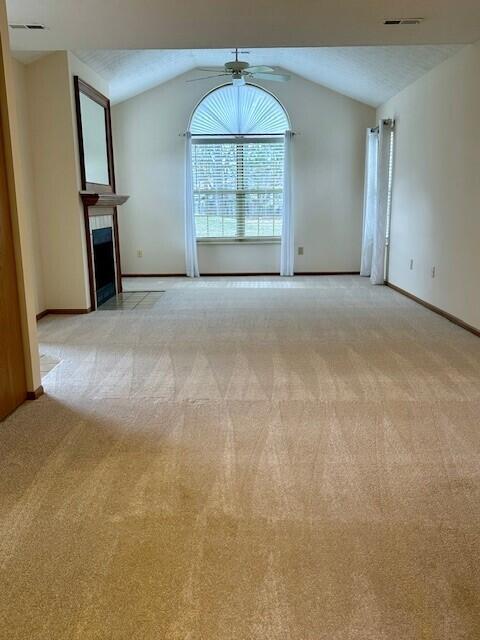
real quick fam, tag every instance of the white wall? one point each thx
(53, 145)
(56, 185)
(329, 166)
(436, 188)
(25, 180)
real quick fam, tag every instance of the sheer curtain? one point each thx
(378, 182)
(369, 201)
(191, 260)
(287, 244)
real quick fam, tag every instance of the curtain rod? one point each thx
(388, 122)
(235, 135)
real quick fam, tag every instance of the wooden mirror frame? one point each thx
(94, 195)
(103, 101)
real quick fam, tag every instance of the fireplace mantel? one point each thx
(95, 199)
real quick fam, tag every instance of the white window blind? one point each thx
(238, 187)
(246, 110)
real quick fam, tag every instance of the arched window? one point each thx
(238, 163)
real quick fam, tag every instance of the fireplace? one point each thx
(103, 251)
(104, 264)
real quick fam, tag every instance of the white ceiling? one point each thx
(369, 74)
(201, 24)
(29, 56)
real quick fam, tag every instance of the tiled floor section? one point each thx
(129, 300)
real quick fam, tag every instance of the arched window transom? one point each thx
(241, 110)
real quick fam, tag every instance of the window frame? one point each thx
(267, 138)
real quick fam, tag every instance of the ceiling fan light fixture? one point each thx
(238, 80)
(241, 71)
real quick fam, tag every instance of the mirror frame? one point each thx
(82, 87)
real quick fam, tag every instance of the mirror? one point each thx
(94, 141)
(94, 138)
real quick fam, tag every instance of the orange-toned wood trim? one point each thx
(90, 264)
(63, 312)
(13, 382)
(81, 86)
(440, 312)
(34, 395)
(116, 239)
(92, 199)
(97, 195)
(326, 273)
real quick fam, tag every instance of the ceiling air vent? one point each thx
(29, 26)
(403, 21)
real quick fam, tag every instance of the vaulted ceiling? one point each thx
(165, 24)
(369, 74)
(137, 44)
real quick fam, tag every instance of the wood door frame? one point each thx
(18, 223)
(13, 379)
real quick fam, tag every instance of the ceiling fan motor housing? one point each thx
(236, 66)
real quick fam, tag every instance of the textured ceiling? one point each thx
(368, 74)
(202, 24)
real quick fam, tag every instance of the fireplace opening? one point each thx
(104, 262)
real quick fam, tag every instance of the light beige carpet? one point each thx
(274, 460)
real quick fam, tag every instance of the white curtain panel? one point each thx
(288, 242)
(385, 142)
(377, 201)
(191, 260)
(369, 202)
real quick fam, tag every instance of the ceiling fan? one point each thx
(241, 71)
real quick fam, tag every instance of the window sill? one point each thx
(207, 241)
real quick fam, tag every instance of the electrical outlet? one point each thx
(433, 272)
(411, 264)
(300, 251)
(139, 253)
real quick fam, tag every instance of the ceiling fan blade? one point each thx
(219, 69)
(217, 75)
(260, 69)
(276, 77)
